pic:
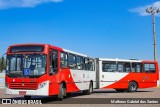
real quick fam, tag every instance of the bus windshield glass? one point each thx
(22, 65)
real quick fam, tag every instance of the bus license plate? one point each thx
(22, 92)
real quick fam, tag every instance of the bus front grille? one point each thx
(24, 86)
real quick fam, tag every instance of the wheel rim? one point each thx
(133, 87)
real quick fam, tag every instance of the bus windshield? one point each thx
(26, 65)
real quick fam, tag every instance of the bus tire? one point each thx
(90, 90)
(132, 87)
(120, 90)
(26, 97)
(62, 92)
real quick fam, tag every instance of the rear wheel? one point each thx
(62, 92)
(132, 87)
(90, 90)
(27, 97)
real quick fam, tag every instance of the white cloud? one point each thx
(5, 4)
(142, 10)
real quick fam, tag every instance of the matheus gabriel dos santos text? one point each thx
(131, 101)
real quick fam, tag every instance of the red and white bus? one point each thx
(45, 70)
(126, 75)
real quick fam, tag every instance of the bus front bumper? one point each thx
(44, 91)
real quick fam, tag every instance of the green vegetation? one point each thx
(2, 66)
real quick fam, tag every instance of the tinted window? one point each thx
(109, 66)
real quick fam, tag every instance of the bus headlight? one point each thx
(41, 85)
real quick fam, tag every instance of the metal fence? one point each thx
(2, 80)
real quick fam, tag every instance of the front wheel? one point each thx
(132, 87)
(62, 92)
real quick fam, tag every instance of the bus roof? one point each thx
(116, 59)
(51, 46)
(72, 52)
(28, 44)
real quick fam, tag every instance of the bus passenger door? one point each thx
(53, 71)
(53, 63)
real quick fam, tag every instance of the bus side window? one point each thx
(149, 68)
(72, 61)
(64, 60)
(124, 67)
(109, 66)
(53, 62)
(79, 62)
(120, 67)
(91, 65)
(127, 67)
(86, 63)
(136, 67)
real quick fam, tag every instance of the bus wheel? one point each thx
(132, 87)
(120, 90)
(90, 90)
(27, 97)
(62, 92)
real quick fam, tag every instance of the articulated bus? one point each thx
(45, 70)
(126, 75)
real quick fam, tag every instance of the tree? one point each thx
(2, 66)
